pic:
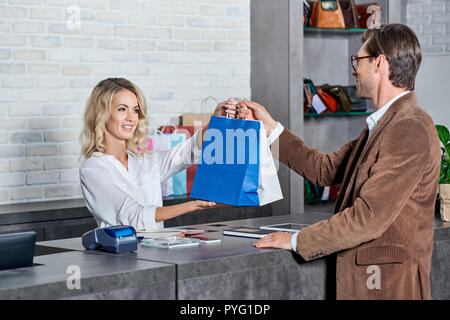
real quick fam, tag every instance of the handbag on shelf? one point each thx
(328, 100)
(321, 102)
(338, 93)
(350, 13)
(307, 10)
(364, 14)
(317, 104)
(358, 104)
(327, 14)
(307, 99)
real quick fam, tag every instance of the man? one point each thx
(382, 230)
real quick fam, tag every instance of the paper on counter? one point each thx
(167, 233)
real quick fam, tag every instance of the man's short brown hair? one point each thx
(399, 44)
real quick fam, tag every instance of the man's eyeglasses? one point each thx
(354, 60)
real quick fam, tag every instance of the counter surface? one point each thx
(233, 268)
(54, 276)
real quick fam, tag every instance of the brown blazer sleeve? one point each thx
(391, 180)
(319, 168)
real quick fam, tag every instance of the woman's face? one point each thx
(124, 116)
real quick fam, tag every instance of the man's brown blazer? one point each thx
(382, 230)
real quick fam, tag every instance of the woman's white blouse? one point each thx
(116, 196)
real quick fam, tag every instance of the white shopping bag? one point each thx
(269, 189)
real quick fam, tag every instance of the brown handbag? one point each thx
(350, 13)
(340, 95)
(327, 14)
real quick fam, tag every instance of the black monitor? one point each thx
(17, 249)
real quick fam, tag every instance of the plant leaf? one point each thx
(447, 152)
(443, 133)
(444, 137)
(448, 175)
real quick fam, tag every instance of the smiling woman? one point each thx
(121, 182)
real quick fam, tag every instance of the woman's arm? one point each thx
(111, 205)
(169, 212)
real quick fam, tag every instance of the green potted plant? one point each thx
(444, 176)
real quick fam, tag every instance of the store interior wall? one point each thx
(53, 52)
(431, 22)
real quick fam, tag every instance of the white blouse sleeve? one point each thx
(180, 157)
(276, 132)
(111, 206)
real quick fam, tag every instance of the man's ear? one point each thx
(382, 64)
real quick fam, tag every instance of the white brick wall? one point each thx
(430, 19)
(177, 51)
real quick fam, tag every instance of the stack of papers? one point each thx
(159, 234)
(246, 232)
(167, 233)
(177, 242)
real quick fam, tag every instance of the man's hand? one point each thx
(279, 240)
(227, 107)
(250, 110)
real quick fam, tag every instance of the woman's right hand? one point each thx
(228, 107)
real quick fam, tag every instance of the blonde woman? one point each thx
(121, 183)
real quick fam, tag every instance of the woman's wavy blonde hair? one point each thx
(97, 114)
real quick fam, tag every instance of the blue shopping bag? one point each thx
(228, 171)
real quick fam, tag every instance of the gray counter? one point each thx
(53, 276)
(234, 269)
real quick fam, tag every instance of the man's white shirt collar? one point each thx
(373, 119)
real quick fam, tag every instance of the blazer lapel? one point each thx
(384, 121)
(349, 171)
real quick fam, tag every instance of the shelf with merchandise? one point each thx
(336, 114)
(332, 31)
(314, 201)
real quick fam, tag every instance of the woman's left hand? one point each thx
(201, 205)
